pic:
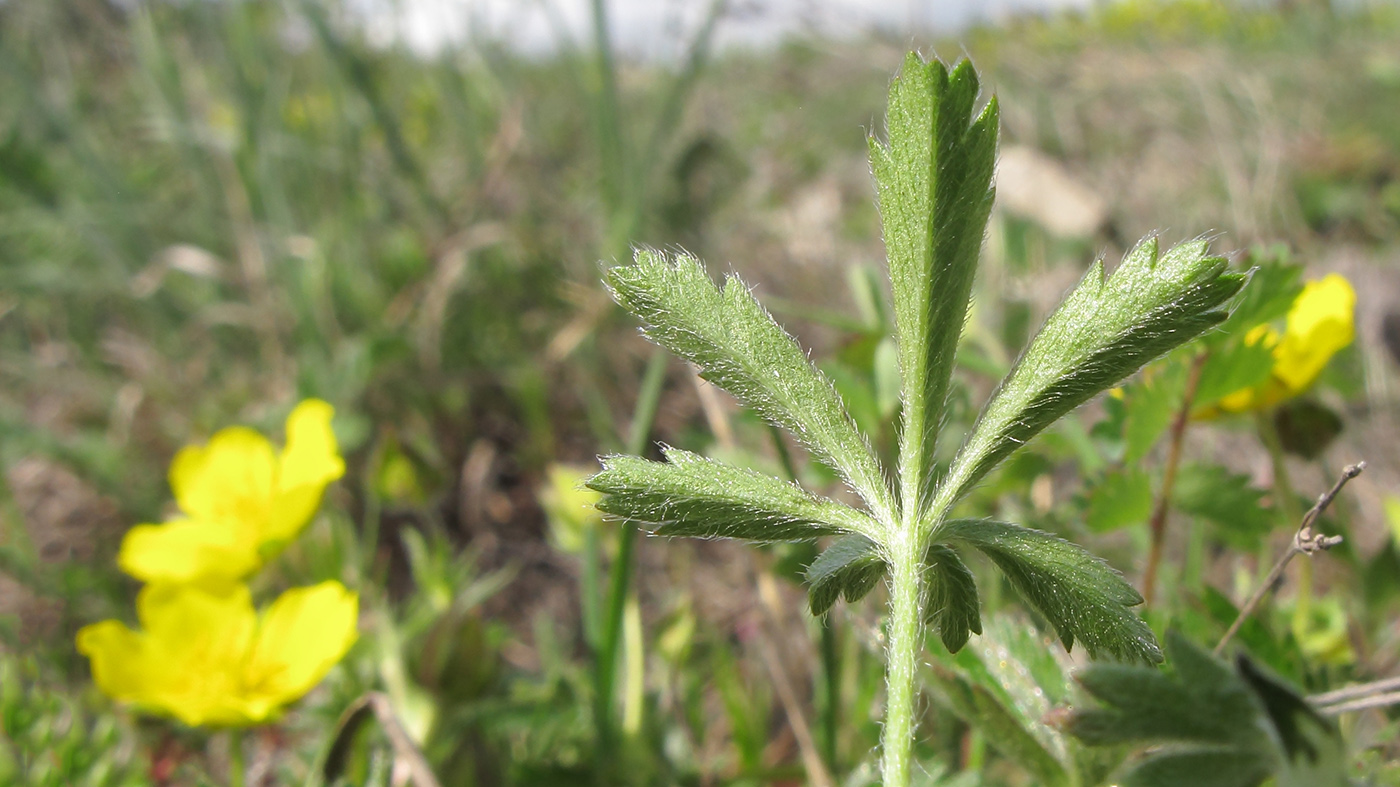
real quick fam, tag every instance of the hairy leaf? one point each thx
(934, 177)
(1211, 724)
(739, 347)
(978, 704)
(950, 597)
(1007, 687)
(849, 568)
(689, 495)
(1104, 330)
(1081, 596)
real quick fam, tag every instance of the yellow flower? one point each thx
(206, 657)
(1320, 322)
(569, 507)
(242, 501)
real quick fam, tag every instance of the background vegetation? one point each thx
(211, 210)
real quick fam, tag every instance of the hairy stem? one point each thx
(1159, 514)
(904, 646)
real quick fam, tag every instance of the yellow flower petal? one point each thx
(121, 665)
(303, 634)
(311, 455)
(228, 480)
(205, 656)
(1320, 323)
(187, 550)
(310, 461)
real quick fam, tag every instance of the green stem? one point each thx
(605, 674)
(235, 757)
(904, 648)
(831, 676)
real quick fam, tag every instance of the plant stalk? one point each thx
(1159, 513)
(905, 643)
(235, 757)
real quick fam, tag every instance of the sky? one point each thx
(659, 29)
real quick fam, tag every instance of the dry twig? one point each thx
(1306, 541)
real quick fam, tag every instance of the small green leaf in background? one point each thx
(1149, 408)
(1227, 500)
(1120, 498)
(1209, 725)
(1233, 367)
(1081, 596)
(1008, 687)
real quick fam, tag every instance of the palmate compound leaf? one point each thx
(1079, 594)
(1210, 725)
(934, 174)
(739, 347)
(690, 495)
(1105, 330)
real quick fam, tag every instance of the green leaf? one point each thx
(1312, 748)
(689, 495)
(979, 705)
(849, 568)
(1105, 330)
(934, 176)
(1081, 596)
(1273, 285)
(739, 347)
(1121, 497)
(1151, 405)
(1231, 368)
(1007, 688)
(1209, 724)
(1226, 500)
(950, 597)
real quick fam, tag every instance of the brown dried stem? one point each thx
(1158, 522)
(1306, 541)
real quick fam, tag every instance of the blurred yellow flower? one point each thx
(242, 501)
(206, 657)
(569, 507)
(1320, 322)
